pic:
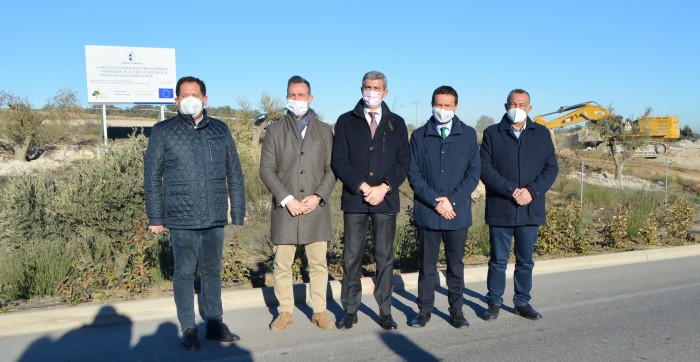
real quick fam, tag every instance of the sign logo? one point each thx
(165, 93)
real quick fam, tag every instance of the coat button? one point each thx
(302, 171)
(371, 173)
(302, 153)
(371, 148)
(302, 190)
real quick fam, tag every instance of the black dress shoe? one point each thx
(386, 322)
(190, 339)
(348, 320)
(528, 312)
(492, 312)
(219, 331)
(420, 320)
(457, 319)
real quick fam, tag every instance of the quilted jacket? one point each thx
(190, 173)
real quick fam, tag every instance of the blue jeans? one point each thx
(500, 238)
(192, 247)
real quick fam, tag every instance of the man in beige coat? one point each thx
(295, 165)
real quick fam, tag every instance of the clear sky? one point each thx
(626, 54)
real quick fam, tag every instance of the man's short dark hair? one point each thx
(445, 89)
(298, 79)
(517, 91)
(190, 79)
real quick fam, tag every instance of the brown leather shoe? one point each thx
(322, 321)
(282, 321)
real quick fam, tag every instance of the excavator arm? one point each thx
(582, 112)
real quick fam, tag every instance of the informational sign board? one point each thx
(118, 75)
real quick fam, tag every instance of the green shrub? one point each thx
(642, 204)
(334, 255)
(649, 231)
(233, 271)
(680, 220)
(25, 211)
(478, 239)
(81, 232)
(615, 228)
(406, 245)
(566, 231)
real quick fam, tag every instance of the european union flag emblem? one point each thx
(165, 93)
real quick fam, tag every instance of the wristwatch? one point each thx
(320, 200)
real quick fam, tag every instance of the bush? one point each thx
(680, 220)
(615, 229)
(478, 239)
(85, 233)
(566, 231)
(406, 245)
(25, 212)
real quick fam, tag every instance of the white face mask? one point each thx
(191, 106)
(372, 99)
(516, 115)
(298, 108)
(443, 115)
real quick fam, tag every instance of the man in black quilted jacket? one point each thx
(191, 171)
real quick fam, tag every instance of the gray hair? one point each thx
(372, 75)
(517, 91)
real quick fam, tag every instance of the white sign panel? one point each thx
(118, 74)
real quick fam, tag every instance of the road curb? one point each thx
(67, 318)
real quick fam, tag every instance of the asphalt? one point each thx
(66, 318)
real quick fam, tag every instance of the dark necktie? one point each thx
(442, 133)
(373, 123)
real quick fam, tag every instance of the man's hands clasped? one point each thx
(374, 195)
(305, 206)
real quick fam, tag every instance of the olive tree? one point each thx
(621, 138)
(23, 127)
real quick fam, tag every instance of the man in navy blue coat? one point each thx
(444, 172)
(370, 156)
(518, 166)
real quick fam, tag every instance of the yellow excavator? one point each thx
(663, 128)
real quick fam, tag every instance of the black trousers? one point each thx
(354, 242)
(429, 240)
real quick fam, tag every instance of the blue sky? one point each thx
(628, 55)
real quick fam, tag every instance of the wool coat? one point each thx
(509, 162)
(358, 158)
(290, 165)
(450, 168)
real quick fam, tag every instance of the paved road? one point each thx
(646, 311)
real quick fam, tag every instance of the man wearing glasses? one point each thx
(518, 166)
